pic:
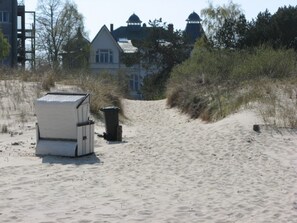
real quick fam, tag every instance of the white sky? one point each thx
(104, 12)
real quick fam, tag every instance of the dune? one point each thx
(168, 168)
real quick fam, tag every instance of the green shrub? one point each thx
(266, 62)
(154, 86)
(200, 85)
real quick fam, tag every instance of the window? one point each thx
(110, 57)
(134, 82)
(104, 56)
(4, 16)
(97, 56)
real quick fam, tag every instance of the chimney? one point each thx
(170, 28)
(111, 27)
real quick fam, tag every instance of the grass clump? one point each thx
(278, 104)
(105, 89)
(48, 81)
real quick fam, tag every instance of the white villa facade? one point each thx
(105, 52)
(105, 55)
(108, 46)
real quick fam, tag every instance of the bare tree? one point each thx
(57, 23)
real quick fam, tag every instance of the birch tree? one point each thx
(216, 19)
(57, 22)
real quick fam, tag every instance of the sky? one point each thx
(105, 12)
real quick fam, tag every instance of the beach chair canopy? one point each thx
(59, 113)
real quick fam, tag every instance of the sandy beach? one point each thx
(168, 168)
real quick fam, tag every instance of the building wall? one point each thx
(8, 26)
(104, 42)
(135, 73)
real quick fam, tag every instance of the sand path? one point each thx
(168, 169)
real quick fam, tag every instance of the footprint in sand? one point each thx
(145, 212)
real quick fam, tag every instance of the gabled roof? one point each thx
(101, 31)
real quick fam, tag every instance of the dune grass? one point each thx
(105, 89)
(215, 83)
(19, 89)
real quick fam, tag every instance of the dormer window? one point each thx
(104, 56)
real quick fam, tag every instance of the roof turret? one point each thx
(134, 20)
(194, 18)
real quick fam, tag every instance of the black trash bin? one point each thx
(112, 127)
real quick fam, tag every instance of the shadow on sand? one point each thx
(116, 142)
(82, 160)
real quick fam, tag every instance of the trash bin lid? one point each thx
(109, 108)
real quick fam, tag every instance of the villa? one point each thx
(109, 46)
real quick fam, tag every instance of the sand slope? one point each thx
(168, 169)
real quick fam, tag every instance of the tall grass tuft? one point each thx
(48, 80)
(102, 93)
(106, 89)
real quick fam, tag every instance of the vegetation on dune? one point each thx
(216, 82)
(105, 89)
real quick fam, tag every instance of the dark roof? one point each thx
(194, 17)
(135, 31)
(130, 32)
(134, 19)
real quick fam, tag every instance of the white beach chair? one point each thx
(63, 127)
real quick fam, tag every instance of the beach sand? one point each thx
(168, 168)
